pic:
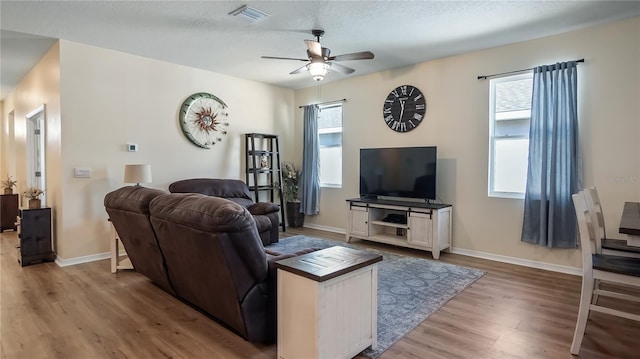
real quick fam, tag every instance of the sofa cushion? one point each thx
(128, 210)
(215, 259)
(225, 188)
(238, 192)
(263, 223)
(131, 199)
(209, 216)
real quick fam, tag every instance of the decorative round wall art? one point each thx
(404, 108)
(204, 119)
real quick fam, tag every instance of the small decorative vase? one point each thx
(264, 162)
(8, 191)
(294, 217)
(34, 203)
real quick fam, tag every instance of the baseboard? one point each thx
(465, 252)
(519, 261)
(493, 257)
(325, 228)
(85, 259)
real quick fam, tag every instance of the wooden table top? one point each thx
(630, 221)
(328, 263)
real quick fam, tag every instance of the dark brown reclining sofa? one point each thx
(205, 250)
(128, 210)
(265, 214)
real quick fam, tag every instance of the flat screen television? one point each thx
(405, 172)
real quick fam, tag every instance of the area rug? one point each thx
(409, 289)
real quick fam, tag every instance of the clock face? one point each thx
(203, 119)
(404, 108)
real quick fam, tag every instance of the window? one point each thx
(509, 116)
(330, 136)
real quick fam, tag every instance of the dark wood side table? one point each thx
(8, 211)
(34, 234)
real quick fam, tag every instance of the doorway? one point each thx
(36, 174)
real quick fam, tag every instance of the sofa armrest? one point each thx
(273, 257)
(262, 208)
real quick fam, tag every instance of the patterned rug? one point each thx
(409, 289)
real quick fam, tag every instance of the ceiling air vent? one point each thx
(249, 14)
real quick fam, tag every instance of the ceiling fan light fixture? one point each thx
(317, 70)
(249, 13)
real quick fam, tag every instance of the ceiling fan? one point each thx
(320, 60)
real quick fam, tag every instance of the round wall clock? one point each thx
(404, 108)
(203, 119)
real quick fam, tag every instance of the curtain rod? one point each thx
(325, 103)
(484, 77)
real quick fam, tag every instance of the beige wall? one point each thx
(40, 87)
(110, 99)
(457, 122)
(4, 137)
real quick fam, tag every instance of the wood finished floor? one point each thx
(84, 311)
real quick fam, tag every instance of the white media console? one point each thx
(417, 225)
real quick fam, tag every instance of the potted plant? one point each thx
(8, 185)
(290, 179)
(33, 194)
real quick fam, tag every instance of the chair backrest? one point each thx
(128, 209)
(595, 217)
(595, 207)
(586, 234)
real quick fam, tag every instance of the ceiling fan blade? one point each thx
(364, 55)
(298, 70)
(283, 58)
(314, 48)
(341, 68)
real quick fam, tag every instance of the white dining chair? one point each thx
(611, 246)
(600, 267)
(602, 244)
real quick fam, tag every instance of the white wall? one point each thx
(457, 122)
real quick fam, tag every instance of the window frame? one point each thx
(493, 138)
(341, 131)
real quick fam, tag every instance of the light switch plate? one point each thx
(82, 172)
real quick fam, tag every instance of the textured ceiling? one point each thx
(201, 34)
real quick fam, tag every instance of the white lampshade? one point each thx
(317, 70)
(137, 174)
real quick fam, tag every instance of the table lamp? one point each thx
(137, 174)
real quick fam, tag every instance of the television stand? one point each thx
(418, 225)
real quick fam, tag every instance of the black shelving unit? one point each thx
(263, 169)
